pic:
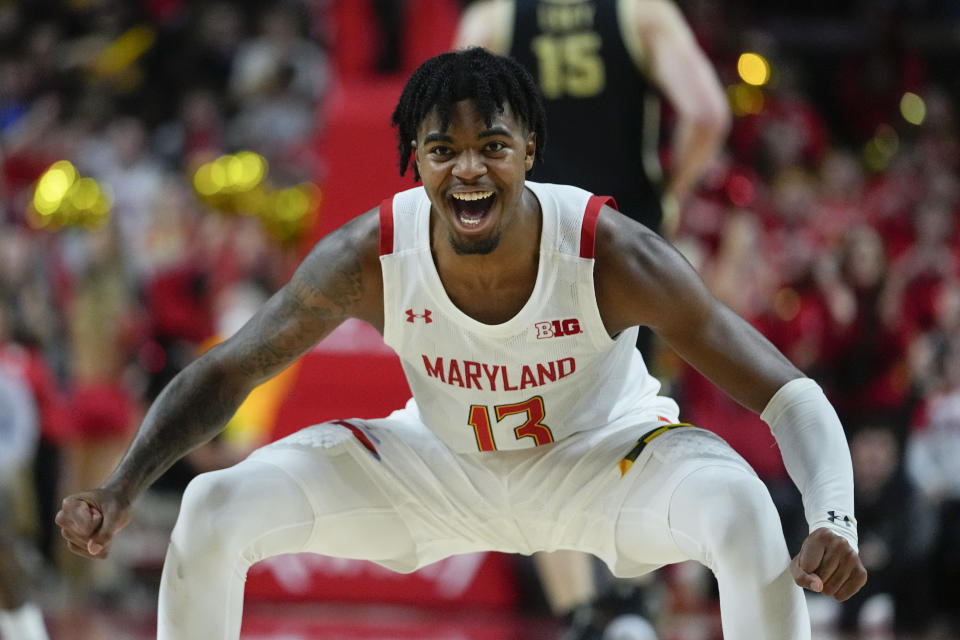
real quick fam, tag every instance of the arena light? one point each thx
(236, 184)
(62, 198)
(753, 69)
(253, 167)
(84, 193)
(913, 108)
(230, 174)
(233, 172)
(53, 186)
(203, 182)
(218, 173)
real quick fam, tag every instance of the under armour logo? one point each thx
(411, 316)
(834, 517)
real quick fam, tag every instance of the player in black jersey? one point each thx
(603, 67)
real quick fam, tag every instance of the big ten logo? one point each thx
(557, 328)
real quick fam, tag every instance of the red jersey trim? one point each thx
(386, 227)
(588, 232)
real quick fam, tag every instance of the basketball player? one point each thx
(603, 67)
(534, 425)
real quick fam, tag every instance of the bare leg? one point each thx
(567, 579)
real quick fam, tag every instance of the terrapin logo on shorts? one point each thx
(557, 328)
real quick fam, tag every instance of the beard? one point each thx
(475, 247)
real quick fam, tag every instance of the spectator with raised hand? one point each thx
(869, 350)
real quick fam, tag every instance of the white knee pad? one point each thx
(206, 501)
(722, 513)
(236, 511)
(724, 517)
(228, 520)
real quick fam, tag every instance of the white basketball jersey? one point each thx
(548, 372)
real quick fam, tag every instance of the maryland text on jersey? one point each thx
(496, 377)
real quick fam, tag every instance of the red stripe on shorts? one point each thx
(359, 435)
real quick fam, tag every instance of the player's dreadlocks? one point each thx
(490, 80)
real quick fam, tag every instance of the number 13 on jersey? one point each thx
(479, 419)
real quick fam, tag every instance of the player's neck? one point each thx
(494, 287)
(514, 258)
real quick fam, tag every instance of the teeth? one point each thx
(475, 195)
(467, 222)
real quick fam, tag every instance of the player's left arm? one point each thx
(642, 280)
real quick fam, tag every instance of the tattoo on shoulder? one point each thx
(340, 284)
(315, 300)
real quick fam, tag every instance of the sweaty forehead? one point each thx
(466, 119)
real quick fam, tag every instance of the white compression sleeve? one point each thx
(815, 453)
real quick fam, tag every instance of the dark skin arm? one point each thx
(339, 279)
(642, 280)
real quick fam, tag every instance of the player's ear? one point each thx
(415, 159)
(530, 150)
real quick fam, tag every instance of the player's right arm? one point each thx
(340, 278)
(668, 53)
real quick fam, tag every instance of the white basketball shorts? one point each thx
(392, 479)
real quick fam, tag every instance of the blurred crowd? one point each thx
(830, 222)
(95, 319)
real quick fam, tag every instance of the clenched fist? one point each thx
(89, 520)
(828, 564)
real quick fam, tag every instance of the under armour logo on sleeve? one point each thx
(840, 519)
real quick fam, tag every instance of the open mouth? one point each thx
(472, 208)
